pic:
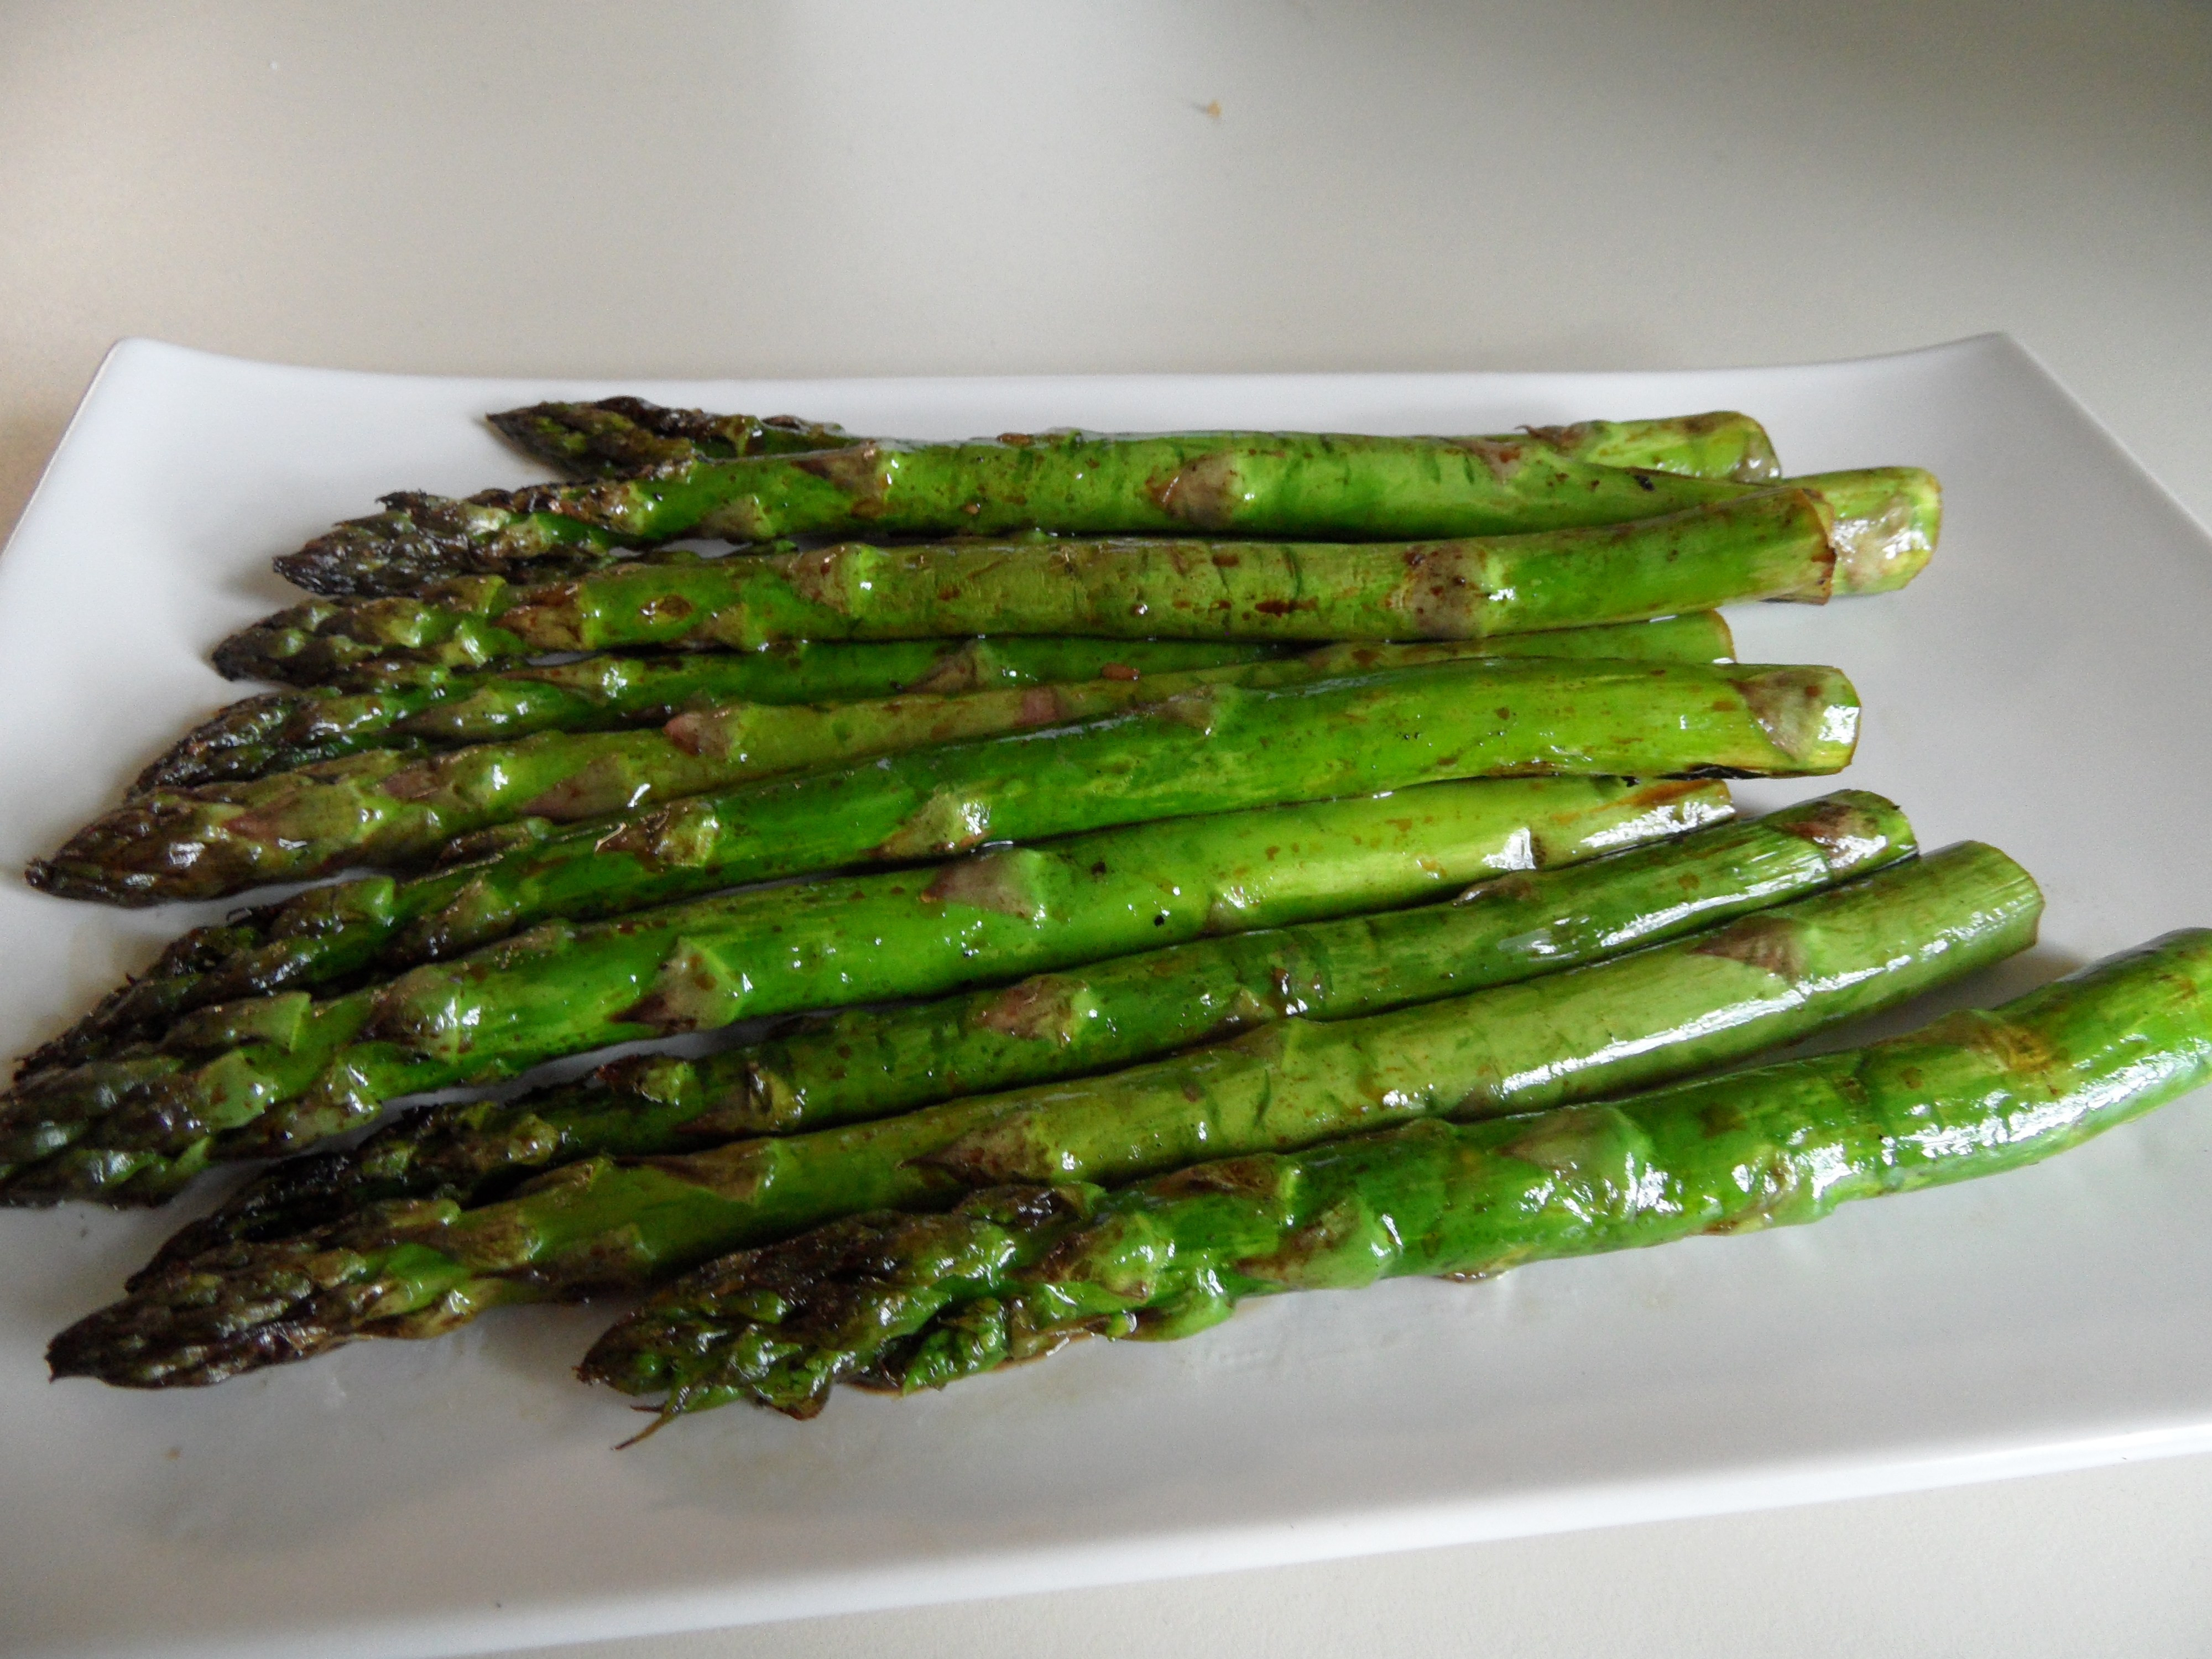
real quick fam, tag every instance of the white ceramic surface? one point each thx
(2038, 688)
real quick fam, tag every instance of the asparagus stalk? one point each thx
(619, 436)
(418, 706)
(389, 809)
(1228, 744)
(1301, 485)
(1215, 751)
(871, 1062)
(903, 1303)
(422, 1269)
(1773, 545)
(274, 1074)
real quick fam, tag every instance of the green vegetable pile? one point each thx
(1131, 874)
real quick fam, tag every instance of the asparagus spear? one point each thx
(1769, 545)
(1228, 744)
(389, 809)
(619, 436)
(422, 1269)
(1887, 519)
(872, 1062)
(904, 1303)
(1236, 749)
(274, 1074)
(643, 972)
(418, 706)
(1318, 486)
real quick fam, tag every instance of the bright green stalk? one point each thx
(1771, 545)
(418, 706)
(904, 1303)
(1299, 486)
(619, 436)
(1677, 1008)
(274, 1074)
(414, 706)
(872, 1062)
(1228, 745)
(1218, 750)
(391, 809)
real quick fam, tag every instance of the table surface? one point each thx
(717, 189)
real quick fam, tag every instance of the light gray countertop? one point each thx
(719, 190)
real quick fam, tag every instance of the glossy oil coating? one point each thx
(1658, 1014)
(421, 705)
(393, 809)
(872, 1062)
(414, 706)
(273, 1074)
(617, 435)
(1206, 748)
(908, 1303)
(1255, 746)
(1771, 544)
(1302, 485)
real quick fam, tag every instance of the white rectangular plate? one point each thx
(2041, 688)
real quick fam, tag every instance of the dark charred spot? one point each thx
(1238, 1177)
(1038, 1010)
(691, 732)
(1002, 883)
(1204, 491)
(1836, 826)
(1769, 944)
(858, 471)
(1722, 1118)
(1502, 458)
(1517, 887)
(667, 608)
(1568, 438)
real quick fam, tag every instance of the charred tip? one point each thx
(236, 1309)
(71, 879)
(624, 436)
(238, 742)
(165, 1342)
(417, 540)
(613, 437)
(538, 431)
(279, 648)
(245, 656)
(366, 576)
